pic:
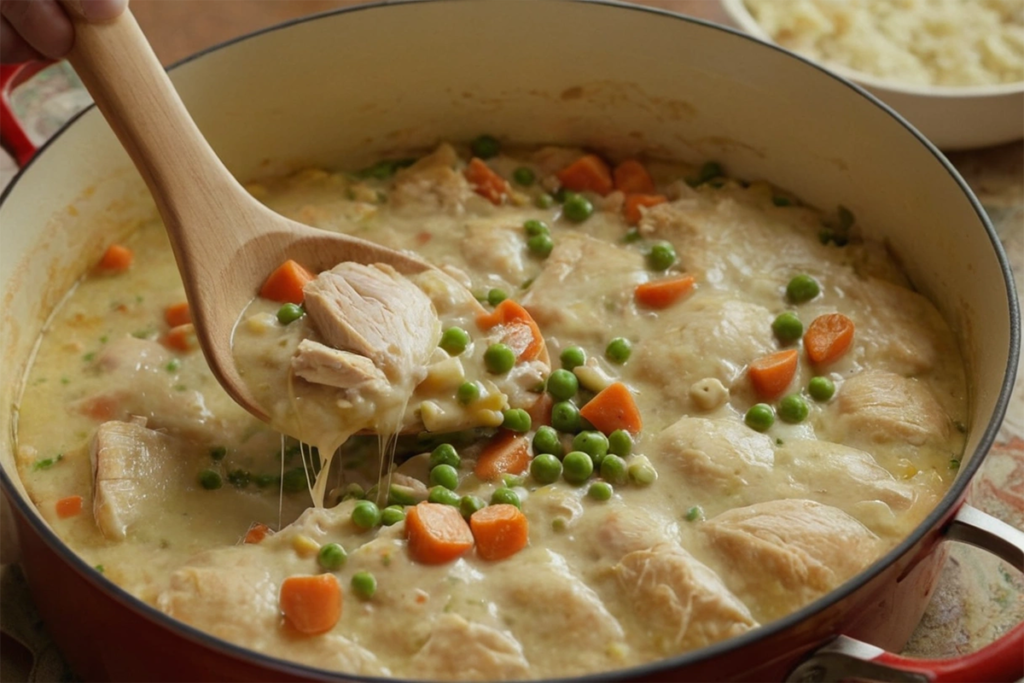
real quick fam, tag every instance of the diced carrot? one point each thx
(311, 604)
(178, 314)
(613, 408)
(257, 532)
(506, 453)
(521, 333)
(663, 293)
(540, 411)
(103, 407)
(500, 531)
(631, 177)
(181, 338)
(631, 207)
(589, 172)
(771, 374)
(69, 507)
(436, 533)
(116, 259)
(828, 337)
(486, 182)
(285, 284)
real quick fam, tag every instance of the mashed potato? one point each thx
(924, 42)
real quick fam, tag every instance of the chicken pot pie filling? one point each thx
(638, 407)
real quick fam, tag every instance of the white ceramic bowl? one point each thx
(953, 118)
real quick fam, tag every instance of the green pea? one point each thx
(662, 256)
(443, 496)
(524, 176)
(793, 409)
(366, 514)
(563, 385)
(787, 327)
(510, 481)
(534, 227)
(545, 468)
(239, 478)
(499, 358)
(218, 452)
(445, 454)
(210, 480)
(695, 513)
(331, 556)
(446, 476)
(399, 495)
(821, 389)
(572, 357)
(541, 245)
(802, 288)
(353, 490)
(760, 417)
(600, 490)
(620, 443)
(392, 514)
(577, 208)
(294, 480)
(496, 296)
(778, 200)
(470, 504)
(516, 420)
(565, 417)
(593, 443)
(468, 392)
(485, 147)
(546, 441)
(642, 474)
(543, 201)
(711, 169)
(505, 496)
(613, 470)
(364, 584)
(577, 466)
(289, 313)
(618, 350)
(454, 340)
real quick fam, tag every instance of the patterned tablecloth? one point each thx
(978, 597)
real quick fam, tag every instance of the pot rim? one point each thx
(943, 508)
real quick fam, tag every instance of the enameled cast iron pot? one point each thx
(346, 87)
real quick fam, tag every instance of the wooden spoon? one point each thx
(225, 242)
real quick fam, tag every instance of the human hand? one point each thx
(41, 29)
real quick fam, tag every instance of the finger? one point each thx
(13, 48)
(96, 10)
(42, 24)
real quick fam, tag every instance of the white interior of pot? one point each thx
(345, 88)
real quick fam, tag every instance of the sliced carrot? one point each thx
(285, 284)
(588, 173)
(69, 507)
(486, 182)
(311, 604)
(521, 332)
(632, 177)
(613, 408)
(436, 533)
(540, 411)
(500, 531)
(828, 337)
(181, 338)
(178, 314)
(771, 374)
(257, 532)
(103, 407)
(663, 293)
(506, 453)
(116, 259)
(634, 202)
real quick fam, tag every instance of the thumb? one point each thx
(95, 10)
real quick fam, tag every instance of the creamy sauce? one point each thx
(737, 528)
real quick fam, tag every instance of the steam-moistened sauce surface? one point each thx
(714, 406)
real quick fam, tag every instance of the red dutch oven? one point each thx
(346, 87)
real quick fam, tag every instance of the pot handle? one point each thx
(13, 137)
(846, 658)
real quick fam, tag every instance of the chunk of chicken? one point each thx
(460, 651)
(585, 281)
(875, 407)
(432, 184)
(495, 248)
(782, 554)
(618, 530)
(681, 603)
(374, 311)
(320, 364)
